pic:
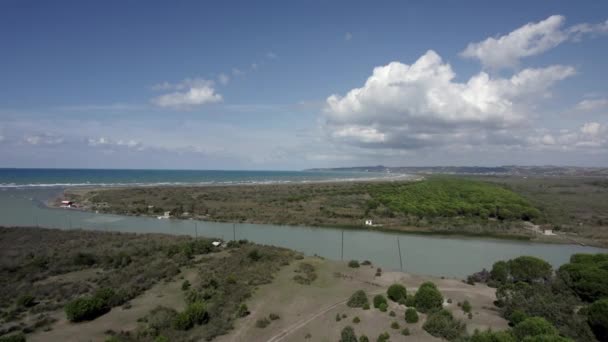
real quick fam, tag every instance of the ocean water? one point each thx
(17, 178)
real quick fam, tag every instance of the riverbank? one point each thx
(344, 205)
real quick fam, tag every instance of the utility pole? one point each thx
(195, 230)
(399, 249)
(234, 231)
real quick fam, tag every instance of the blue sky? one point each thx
(286, 85)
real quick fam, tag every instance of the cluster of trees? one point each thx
(571, 302)
(91, 307)
(449, 197)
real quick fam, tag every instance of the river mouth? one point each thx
(450, 256)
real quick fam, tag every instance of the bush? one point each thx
(378, 272)
(500, 272)
(243, 310)
(466, 306)
(384, 337)
(392, 313)
(428, 298)
(405, 332)
(529, 269)
(159, 319)
(262, 323)
(411, 316)
(338, 317)
(379, 299)
(353, 264)
(13, 338)
(492, 336)
(26, 301)
(85, 309)
(358, 300)
(383, 307)
(366, 306)
(348, 334)
(254, 255)
(366, 263)
(410, 301)
(395, 325)
(516, 317)
(185, 285)
(442, 324)
(195, 314)
(396, 292)
(356, 320)
(274, 316)
(598, 319)
(587, 276)
(533, 326)
(363, 338)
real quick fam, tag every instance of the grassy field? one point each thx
(435, 205)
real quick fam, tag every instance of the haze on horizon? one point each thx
(278, 85)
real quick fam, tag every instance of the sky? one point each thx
(288, 85)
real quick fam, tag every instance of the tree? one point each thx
(500, 272)
(529, 269)
(348, 334)
(533, 326)
(586, 275)
(466, 306)
(358, 299)
(428, 298)
(411, 316)
(442, 324)
(492, 336)
(396, 292)
(379, 300)
(597, 316)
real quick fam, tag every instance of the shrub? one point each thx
(348, 334)
(338, 317)
(395, 325)
(500, 272)
(162, 338)
(410, 301)
(185, 285)
(492, 336)
(396, 292)
(411, 316)
(254, 255)
(378, 272)
(516, 317)
(366, 307)
(529, 269)
(243, 310)
(470, 315)
(533, 326)
(383, 307)
(358, 299)
(26, 301)
(587, 276)
(392, 313)
(428, 298)
(598, 319)
(262, 323)
(405, 332)
(356, 320)
(159, 319)
(466, 306)
(366, 263)
(379, 299)
(363, 338)
(384, 337)
(442, 324)
(353, 264)
(13, 338)
(195, 314)
(85, 309)
(274, 316)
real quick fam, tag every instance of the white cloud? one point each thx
(588, 137)
(271, 55)
(107, 142)
(348, 36)
(223, 78)
(236, 72)
(414, 106)
(254, 66)
(190, 92)
(43, 139)
(592, 104)
(529, 40)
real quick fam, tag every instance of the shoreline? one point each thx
(409, 230)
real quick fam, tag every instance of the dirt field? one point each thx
(310, 310)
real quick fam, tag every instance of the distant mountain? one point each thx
(480, 170)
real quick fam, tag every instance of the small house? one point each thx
(67, 204)
(369, 223)
(548, 232)
(216, 243)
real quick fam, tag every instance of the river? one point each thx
(430, 255)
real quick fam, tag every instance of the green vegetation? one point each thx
(348, 334)
(195, 314)
(262, 323)
(442, 324)
(305, 273)
(358, 300)
(405, 332)
(353, 264)
(534, 326)
(428, 298)
(598, 319)
(88, 308)
(395, 325)
(363, 338)
(411, 316)
(492, 336)
(587, 275)
(466, 306)
(396, 292)
(379, 300)
(383, 307)
(356, 320)
(384, 337)
(13, 338)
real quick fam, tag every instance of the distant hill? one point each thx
(480, 170)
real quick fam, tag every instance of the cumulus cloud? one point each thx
(189, 93)
(590, 135)
(107, 142)
(529, 40)
(592, 104)
(413, 106)
(271, 55)
(223, 78)
(43, 139)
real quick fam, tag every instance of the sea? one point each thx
(24, 178)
